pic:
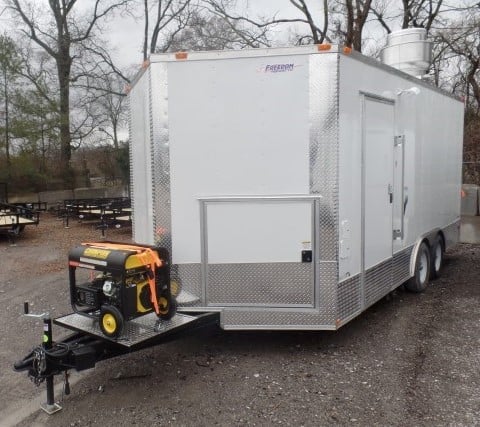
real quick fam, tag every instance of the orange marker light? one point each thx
(324, 46)
(347, 50)
(181, 55)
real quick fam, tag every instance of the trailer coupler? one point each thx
(78, 351)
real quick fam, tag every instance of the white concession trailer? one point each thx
(293, 187)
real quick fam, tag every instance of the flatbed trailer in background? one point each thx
(15, 217)
(105, 212)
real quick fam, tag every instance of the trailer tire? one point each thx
(419, 282)
(111, 321)
(438, 250)
(17, 229)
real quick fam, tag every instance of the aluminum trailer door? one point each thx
(377, 180)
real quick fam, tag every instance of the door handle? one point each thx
(390, 193)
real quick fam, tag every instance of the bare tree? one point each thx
(60, 31)
(464, 44)
(254, 32)
(350, 17)
(168, 18)
(319, 35)
(207, 31)
(112, 107)
(410, 13)
(420, 13)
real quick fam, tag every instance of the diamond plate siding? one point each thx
(348, 297)
(378, 282)
(131, 118)
(273, 319)
(190, 276)
(401, 267)
(160, 156)
(324, 81)
(324, 148)
(139, 130)
(269, 284)
(326, 288)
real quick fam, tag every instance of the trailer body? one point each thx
(292, 186)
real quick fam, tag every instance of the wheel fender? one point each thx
(413, 257)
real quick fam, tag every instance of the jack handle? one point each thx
(26, 312)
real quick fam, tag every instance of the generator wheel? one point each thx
(167, 307)
(438, 249)
(111, 321)
(419, 281)
(175, 286)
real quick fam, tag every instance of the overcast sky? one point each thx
(126, 35)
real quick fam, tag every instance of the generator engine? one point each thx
(117, 282)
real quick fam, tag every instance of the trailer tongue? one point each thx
(88, 345)
(122, 302)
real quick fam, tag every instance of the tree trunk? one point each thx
(145, 31)
(7, 124)
(64, 64)
(115, 135)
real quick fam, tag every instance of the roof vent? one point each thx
(409, 51)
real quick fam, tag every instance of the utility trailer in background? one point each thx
(15, 216)
(294, 187)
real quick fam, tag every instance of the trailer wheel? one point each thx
(111, 321)
(17, 229)
(419, 281)
(167, 307)
(438, 249)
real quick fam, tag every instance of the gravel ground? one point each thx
(410, 360)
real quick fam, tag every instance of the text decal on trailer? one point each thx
(278, 68)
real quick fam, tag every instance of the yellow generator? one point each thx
(116, 282)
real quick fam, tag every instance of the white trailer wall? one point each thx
(232, 133)
(248, 158)
(432, 124)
